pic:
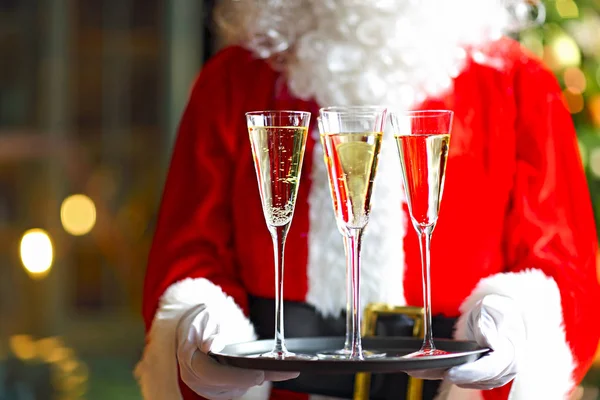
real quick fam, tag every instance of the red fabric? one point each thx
(515, 195)
(204, 227)
(550, 222)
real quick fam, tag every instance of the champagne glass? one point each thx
(351, 139)
(347, 350)
(278, 140)
(423, 138)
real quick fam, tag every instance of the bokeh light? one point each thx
(595, 162)
(23, 347)
(565, 51)
(594, 107)
(533, 41)
(78, 214)
(574, 100)
(49, 349)
(59, 354)
(567, 9)
(36, 252)
(575, 79)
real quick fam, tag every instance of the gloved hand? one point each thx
(495, 322)
(197, 334)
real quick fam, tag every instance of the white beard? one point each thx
(392, 52)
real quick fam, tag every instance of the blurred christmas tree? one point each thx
(569, 43)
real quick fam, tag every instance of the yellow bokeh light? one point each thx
(566, 51)
(59, 354)
(78, 214)
(68, 366)
(36, 252)
(567, 9)
(22, 346)
(49, 349)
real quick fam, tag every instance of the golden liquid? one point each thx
(278, 153)
(351, 160)
(423, 160)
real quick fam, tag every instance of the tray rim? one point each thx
(387, 364)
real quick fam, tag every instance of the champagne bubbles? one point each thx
(279, 217)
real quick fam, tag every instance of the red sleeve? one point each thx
(550, 225)
(194, 230)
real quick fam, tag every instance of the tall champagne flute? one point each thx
(351, 138)
(347, 350)
(423, 139)
(278, 140)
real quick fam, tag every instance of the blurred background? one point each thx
(91, 92)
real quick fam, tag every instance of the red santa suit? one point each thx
(515, 220)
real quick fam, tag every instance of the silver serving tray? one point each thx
(246, 355)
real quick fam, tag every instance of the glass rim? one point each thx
(353, 109)
(421, 113)
(290, 112)
(373, 132)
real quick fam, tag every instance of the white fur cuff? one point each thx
(545, 371)
(157, 371)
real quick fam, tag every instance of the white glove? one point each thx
(495, 322)
(197, 334)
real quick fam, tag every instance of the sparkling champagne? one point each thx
(423, 159)
(278, 154)
(351, 160)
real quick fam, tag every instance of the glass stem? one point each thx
(349, 293)
(355, 239)
(425, 244)
(279, 234)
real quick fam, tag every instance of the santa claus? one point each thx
(513, 254)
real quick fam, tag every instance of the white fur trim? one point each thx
(382, 253)
(545, 371)
(157, 370)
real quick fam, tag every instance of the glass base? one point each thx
(287, 355)
(345, 354)
(426, 353)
